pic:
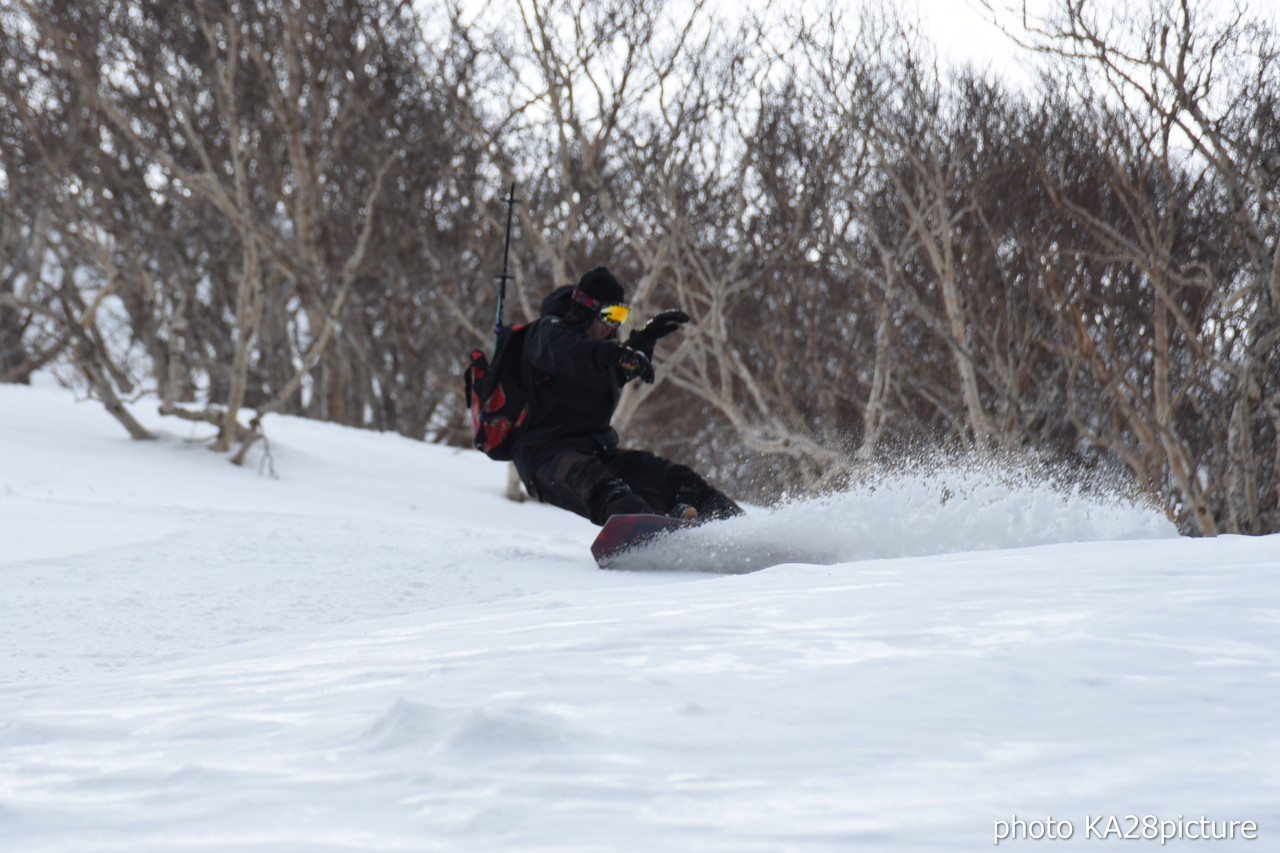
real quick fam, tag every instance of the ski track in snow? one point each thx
(377, 652)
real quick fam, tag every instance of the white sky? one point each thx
(961, 31)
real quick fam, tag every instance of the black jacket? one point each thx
(575, 385)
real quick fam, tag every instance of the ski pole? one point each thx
(504, 276)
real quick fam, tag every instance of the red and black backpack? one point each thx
(496, 393)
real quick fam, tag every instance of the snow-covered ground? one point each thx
(377, 652)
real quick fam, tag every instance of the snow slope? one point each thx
(377, 652)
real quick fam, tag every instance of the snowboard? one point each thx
(621, 533)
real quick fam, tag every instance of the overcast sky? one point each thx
(962, 32)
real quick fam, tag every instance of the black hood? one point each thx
(558, 302)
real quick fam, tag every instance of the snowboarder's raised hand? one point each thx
(644, 338)
(633, 364)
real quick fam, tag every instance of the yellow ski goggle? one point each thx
(614, 313)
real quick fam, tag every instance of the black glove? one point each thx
(644, 338)
(633, 363)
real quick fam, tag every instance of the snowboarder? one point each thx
(567, 454)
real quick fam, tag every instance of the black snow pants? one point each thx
(599, 482)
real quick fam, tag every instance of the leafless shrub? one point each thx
(278, 207)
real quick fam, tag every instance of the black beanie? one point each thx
(600, 284)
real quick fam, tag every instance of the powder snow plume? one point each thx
(922, 509)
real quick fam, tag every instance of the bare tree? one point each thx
(277, 207)
(1189, 91)
(237, 173)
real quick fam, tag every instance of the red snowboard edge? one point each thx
(622, 532)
